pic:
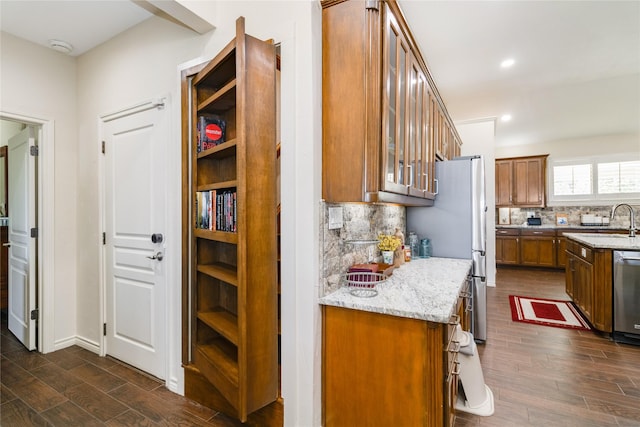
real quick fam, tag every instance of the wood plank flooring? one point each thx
(544, 376)
(75, 387)
(540, 376)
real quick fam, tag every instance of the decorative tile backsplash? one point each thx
(356, 241)
(548, 214)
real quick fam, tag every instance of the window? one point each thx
(572, 180)
(619, 177)
(594, 179)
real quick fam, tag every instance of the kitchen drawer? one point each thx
(507, 231)
(583, 252)
(538, 232)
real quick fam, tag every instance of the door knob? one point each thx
(157, 256)
(156, 238)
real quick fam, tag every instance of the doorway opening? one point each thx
(19, 229)
(45, 271)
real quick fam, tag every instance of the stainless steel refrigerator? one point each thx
(456, 225)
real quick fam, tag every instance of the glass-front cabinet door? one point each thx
(412, 119)
(421, 160)
(396, 92)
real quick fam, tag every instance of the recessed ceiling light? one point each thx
(60, 46)
(505, 117)
(507, 63)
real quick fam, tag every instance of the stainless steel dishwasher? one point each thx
(626, 296)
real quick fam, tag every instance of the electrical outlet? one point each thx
(335, 218)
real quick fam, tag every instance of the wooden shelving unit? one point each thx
(231, 295)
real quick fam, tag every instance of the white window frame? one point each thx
(594, 198)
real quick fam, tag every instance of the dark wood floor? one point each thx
(540, 376)
(544, 376)
(75, 387)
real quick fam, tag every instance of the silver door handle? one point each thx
(630, 258)
(157, 256)
(8, 245)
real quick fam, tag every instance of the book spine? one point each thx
(235, 208)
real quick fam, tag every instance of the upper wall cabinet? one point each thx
(384, 123)
(521, 182)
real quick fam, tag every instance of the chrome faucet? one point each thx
(632, 225)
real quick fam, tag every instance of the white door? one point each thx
(134, 202)
(22, 249)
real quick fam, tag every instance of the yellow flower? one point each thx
(387, 242)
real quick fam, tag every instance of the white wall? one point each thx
(578, 147)
(136, 66)
(40, 83)
(144, 63)
(478, 139)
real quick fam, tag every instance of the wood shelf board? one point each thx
(223, 322)
(222, 185)
(217, 235)
(226, 149)
(224, 272)
(219, 368)
(222, 100)
(223, 64)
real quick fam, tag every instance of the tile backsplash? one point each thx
(356, 241)
(548, 215)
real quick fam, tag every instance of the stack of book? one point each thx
(216, 210)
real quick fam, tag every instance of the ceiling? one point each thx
(84, 24)
(576, 71)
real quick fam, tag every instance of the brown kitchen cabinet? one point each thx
(230, 324)
(581, 276)
(455, 148)
(406, 167)
(589, 283)
(561, 250)
(508, 246)
(367, 381)
(504, 182)
(382, 114)
(538, 248)
(521, 182)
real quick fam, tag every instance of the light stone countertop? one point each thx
(525, 226)
(607, 241)
(424, 289)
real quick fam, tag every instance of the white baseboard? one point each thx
(85, 343)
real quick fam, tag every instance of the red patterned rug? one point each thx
(540, 311)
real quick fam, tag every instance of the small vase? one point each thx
(387, 257)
